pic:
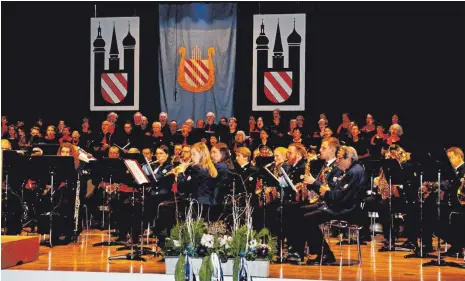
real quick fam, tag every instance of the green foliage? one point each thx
(180, 271)
(265, 237)
(235, 268)
(206, 269)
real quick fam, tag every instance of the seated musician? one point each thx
(221, 157)
(343, 203)
(161, 191)
(328, 172)
(401, 200)
(177, 155)
(122, 210)
(456, 194)
(200, 179)
(267, 191)
(245, 170)
(65, 194)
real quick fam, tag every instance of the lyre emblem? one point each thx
(196, 74)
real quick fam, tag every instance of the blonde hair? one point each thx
(456, 151)
(7, 142)
(398, 127)
(205, 160)
(404, 156)
(281, 150)
(244, 151)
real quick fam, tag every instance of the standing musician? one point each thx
(326, 176)
(343, 203)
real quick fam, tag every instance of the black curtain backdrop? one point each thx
(381, 57)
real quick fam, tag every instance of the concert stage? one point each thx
(82, 261)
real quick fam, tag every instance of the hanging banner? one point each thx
(197, 59)
(114, 64)
(279, 62)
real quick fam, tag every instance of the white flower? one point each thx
(253, 244)
(225, 241)
(207, 240)
(177, 243)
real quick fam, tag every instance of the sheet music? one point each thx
(136, 171)
(83, 156)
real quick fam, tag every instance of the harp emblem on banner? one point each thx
(196, 74)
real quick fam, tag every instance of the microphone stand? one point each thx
(439, 261)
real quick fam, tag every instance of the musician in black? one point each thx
(343, 203)
(329, 172)
(456, 233)
(245, 171)
(200, 179)
(161, 191)
(403, 198)
(221, 157)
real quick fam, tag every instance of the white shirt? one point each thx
(328, 163)
(242, 166)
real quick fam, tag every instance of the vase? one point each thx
(257, 268)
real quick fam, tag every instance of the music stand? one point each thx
(49, 149)
(133, 165)
(59, 168)
(439, 261)
(111, 169)
(393, 171)
(12, 163)
(140, 179)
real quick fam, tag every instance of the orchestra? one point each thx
(296, 176)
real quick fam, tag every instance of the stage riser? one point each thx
(19, 249)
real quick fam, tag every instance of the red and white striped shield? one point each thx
(278, 85)
(114, 87)
(196, 72)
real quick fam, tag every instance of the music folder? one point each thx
(136, 171)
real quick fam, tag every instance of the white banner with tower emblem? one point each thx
(114, 64)
(279, 62)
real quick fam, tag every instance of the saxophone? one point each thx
(382, 184)
(314, 197)
(302, 191)
(77, 205)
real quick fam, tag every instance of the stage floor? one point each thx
(83, 257)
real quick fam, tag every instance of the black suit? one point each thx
(343, 203)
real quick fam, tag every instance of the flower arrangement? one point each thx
(215, 242)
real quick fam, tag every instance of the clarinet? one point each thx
(77, 204)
